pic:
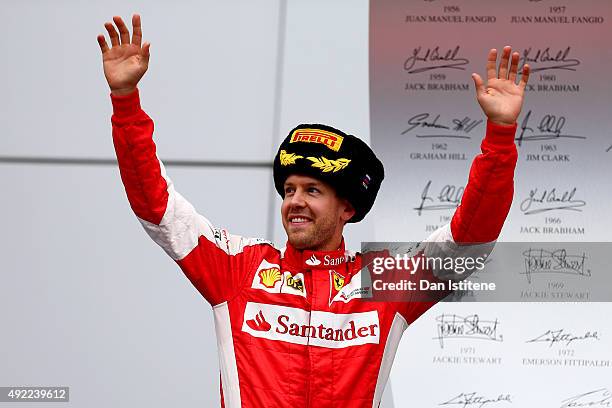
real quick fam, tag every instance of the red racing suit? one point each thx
(292, 330)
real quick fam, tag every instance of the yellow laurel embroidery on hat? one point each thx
(326, 165)
(288, 158)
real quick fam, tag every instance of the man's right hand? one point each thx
(126, 61)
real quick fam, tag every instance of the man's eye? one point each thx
(288, 190)
(313, 190)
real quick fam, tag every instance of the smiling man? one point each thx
(294, 325)
(311, 211)
(327, 179)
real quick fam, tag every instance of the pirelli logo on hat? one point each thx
(324, 137)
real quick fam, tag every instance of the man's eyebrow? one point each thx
(306, 184)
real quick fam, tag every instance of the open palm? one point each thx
(501, 98)
(126, 61)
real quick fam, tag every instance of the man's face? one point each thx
(313, 215)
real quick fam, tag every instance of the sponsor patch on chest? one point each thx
(358, 288)
(269, 277)
(315, 328)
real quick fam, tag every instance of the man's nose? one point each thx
(298, 199)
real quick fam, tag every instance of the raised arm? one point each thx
(487, 198)
(488, 194)
(208, 256)
(125, 62)
(490, 188)
(477, 222)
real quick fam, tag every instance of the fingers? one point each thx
(123, 35)
(114, 36)
(123, 31)
(492, 64)
(102, 43)
(137, 28)
(479, 84)
(524, 77)
(503, 64)
(514, 62)
(145, 50)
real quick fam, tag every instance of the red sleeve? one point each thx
(211, 258)
(136, 154)
(488, 194)
(478, 219)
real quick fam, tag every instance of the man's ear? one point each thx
(348, 211)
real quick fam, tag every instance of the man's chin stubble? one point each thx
(301, 243)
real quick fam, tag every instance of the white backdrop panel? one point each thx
(325, 76)
(88, 301)
(325, 80)
(211, 77)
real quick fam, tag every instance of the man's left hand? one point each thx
(501, 98)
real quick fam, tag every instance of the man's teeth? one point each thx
(298, 219)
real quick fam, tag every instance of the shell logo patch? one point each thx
(268, 277)
(324, 137)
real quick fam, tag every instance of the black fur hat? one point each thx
(343, 161)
